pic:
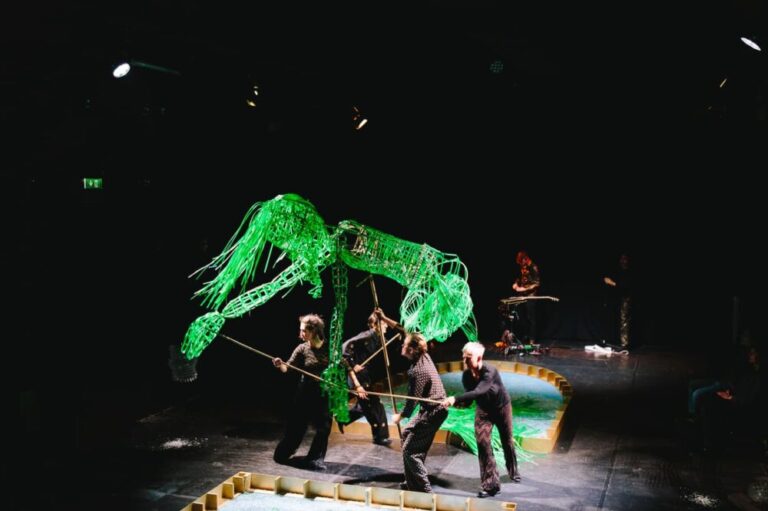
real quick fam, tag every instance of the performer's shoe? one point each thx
(382, 441)
(282, 460)
(483, 494)
(317, 465)
(341, 427)
(403, 485)
(516, 478)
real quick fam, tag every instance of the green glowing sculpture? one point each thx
(437, 303)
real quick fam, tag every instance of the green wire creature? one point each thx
(437, 302)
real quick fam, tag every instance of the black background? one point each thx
(606, 131)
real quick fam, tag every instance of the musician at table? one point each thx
(527, 283)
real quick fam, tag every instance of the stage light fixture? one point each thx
(124, 68)
(358, 119)
(121, 70)
(750, 43)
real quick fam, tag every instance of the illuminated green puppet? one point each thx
(437, 302)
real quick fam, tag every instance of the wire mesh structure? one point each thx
(437, 303)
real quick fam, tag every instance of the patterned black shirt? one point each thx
(314, 360)
(423, 381)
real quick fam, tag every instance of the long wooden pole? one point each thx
(396, 337)
(384, 351)
(316, 377)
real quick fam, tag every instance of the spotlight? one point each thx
(750, 43)
(253, 96)
(124, 68)
(358, 120)
(121, 70)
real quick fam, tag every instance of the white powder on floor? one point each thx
(180, 443)
(702, 500)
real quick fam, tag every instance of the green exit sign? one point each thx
(93, 183)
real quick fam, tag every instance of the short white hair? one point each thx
(473, 348)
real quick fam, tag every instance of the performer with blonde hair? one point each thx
(494, 408)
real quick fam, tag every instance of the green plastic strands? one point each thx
(461, 421)
(334, 387)
(335, 375)
(201, 333)
(438, 301)
(289, 223)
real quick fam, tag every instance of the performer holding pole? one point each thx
(357, 352)
(320, 379)
(309, 406)
(424, 384)
(381, 317)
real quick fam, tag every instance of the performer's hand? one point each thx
(609, 281)
(449, 401)
(358, 368)
(396, 418)
(361, 393)
(725, 394)
(278, 362)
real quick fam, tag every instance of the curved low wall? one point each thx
(314, 494)
(533, 444)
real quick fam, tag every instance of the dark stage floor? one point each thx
(623, 447)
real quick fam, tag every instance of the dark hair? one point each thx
(416, 342)
(314, 324)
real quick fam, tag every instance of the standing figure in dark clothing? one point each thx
(744, 388)
(494, 408)
(735, 406)
(423, 381)
(356, 351)
(309, 405)
(527, 283)
(621, 282)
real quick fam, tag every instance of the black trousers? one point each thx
(484, 423)
(417, 439)
(374, 413)
(310, 407)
